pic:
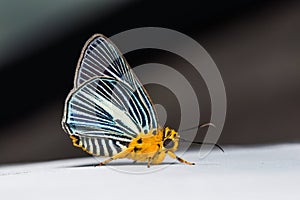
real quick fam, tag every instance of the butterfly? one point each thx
(109, 113)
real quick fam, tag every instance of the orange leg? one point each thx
(122, 154)
(149, 162)
(173, 155)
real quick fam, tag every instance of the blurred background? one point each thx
(255, 44)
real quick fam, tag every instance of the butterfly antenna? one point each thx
(208, 143)
(199, 126)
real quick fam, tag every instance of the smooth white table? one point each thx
(262, 172)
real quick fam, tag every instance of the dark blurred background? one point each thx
(255, 44)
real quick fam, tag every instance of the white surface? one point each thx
(269, 172)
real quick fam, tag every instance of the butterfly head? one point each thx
(170, 139)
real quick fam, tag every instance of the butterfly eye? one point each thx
(168, 143)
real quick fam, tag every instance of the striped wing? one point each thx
(105, 114)
(100, 57)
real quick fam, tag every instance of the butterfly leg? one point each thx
(122, 154)
(149, 162)
(173, 155)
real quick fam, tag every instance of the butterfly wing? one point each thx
(103, 113)
(100, 57)
(108, 105)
